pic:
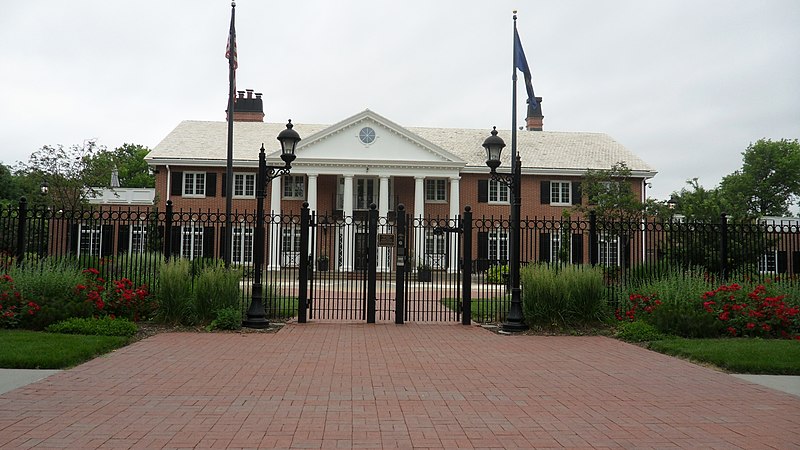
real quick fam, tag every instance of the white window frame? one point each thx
(293, 187)
(244, 185)
(242, 245)
(499, 250)
(435, 190)
(768, 263)
(609, 250)
(137, 243)
(196, 187)
(191, 241)
(557, 193)
(290, 245)
(435, 249)
(499, 192)
(90, 239)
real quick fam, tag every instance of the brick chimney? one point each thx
(535, 118)
(247, 108)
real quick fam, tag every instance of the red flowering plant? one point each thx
(638, 305)
(121, 300)
(14, 309)
(754, 313)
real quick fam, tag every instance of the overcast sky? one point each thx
(686, 84)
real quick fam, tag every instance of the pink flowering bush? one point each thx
(122, 299)
(754, 313)
(14, 309)
(638, 305)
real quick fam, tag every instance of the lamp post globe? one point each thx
(494, 145)
(288, 139)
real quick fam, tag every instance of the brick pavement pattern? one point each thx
(322, 385)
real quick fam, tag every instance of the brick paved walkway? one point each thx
(368, 386)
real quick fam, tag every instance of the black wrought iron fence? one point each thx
(134, 242)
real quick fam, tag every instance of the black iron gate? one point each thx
(370, 268)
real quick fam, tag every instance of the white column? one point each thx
(348, 243)
(273, 230)
(419, 213)
(455, 210)
(312, 207)
(383, 211)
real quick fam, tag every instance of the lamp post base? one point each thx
(255, 314)
(515, 321)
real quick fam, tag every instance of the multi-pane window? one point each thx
(242, 245)
(294, 187)
(435, 190)
(498, 246)
(290, 246)
(555, 247)
(365, 193)
(769, 262)
(609, 250)
(435, 249)
(90, 240)
(244, 185)
(498, 192)
(191, 241)
(138, 243)
(560, 193)
(194, 184)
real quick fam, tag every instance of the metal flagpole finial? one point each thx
(515, 14)
(233, 4)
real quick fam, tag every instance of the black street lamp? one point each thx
(494, 145)
(256, 317)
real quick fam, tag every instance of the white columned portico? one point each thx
(455, 210)
(419, 213)
(273, 230)
(348, 242)
(383, 211)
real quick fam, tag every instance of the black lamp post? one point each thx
(494, 145)
(256, 317)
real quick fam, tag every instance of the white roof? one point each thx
(205, 143)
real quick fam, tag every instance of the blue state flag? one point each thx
(522, 64)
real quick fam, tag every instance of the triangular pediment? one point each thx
(369, 137)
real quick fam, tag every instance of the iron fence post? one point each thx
(593, 247)
(302, 294)
(466, 266)
(400, 267)
(168, 231)
(22, 220)
(372, 262)
(723, 254)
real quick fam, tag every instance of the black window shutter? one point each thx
(783, 261)
(545, 192)
(177, 184)
(795, 262)
(577, 248)
(483, 191)
(211, 184)
(222, 234)
(626, 252)
(224, 187)
(176, 241)
(482, 262)
(159, 244)
(107, 242)
(74, 237)
(123, 236)
(544, 247)
(576, 193)
(208, 242)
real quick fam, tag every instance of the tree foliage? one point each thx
(129, 161)
(768, 182)
(611, 195)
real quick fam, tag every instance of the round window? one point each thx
(367, 135)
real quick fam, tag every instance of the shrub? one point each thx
(14, 309)
(758, 312)
(229, 318)
(565, 295)
(50, 284)
(497, 274)
(216, 288)
(140, 268)
(174, 293)
(638, 331)
(105, 326)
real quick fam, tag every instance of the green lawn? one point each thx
(21, 349)
(739, 355)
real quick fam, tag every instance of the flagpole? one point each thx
(229, 168)
(514, 95)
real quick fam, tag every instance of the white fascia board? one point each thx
(546, 171)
